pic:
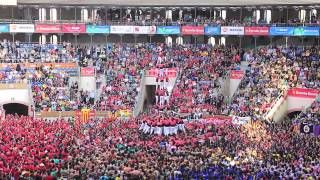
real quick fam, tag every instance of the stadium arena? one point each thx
(159, 90)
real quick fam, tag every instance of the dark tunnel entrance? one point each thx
(15, 108)
(150, 99)
(293, 114)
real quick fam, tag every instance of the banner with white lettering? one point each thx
(230, 30)
(145, 29)
(240, 120)
(22, 28)
(121, 29)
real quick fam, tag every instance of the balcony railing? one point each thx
(157, 23)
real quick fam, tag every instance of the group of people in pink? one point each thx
(167, 141)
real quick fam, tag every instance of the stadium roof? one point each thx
(172, 2)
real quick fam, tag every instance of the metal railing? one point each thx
(157, 23)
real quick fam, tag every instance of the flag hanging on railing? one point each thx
(83, 116)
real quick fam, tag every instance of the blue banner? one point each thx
(4, 28)
(168, 30)
(281, 31)
(97, 29)
(212, 30)
(306, 31)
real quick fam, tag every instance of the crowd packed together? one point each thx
(104, 149)
(310, 115)
(270, 72)
(183, 17)
(161, 143)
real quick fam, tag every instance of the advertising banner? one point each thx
(87, 71)
(256, 31)
(22, 28)
(8, 2)
(212, 30)
(145, 29)
(167, 30)
(217, 120)
(281, 31)
(236, 74)
(73, 28)
(192, 30)
(230, 30)
(121, 29)
(303, 92)
(4, 28)
(34, 65)
(240, 120)
(97, 29)
(48, 28)
(306, 31)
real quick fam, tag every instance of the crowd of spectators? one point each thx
(158, 144)
(201, 76)
(16, 52)
(310, 115)
(179, 17)
(271, 71)
(122, 68)
(104, 149)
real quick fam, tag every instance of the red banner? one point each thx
(303, 92)
(256, 31)
(73, 28)
(192, 30)
(48, 28)
(87, 71)
(169, 72)
(236, 74)
(218, 120)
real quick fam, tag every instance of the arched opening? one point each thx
(16, 108)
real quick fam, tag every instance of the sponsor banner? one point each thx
(240, 120)
(303, 92)
(236, 74)
(121, 29)
(48, 28)
(145, 29)
(8, 3)
(169, 72)
(230, 30)
(192, 30)
(4, 28)
(217, 120)
(22, 28)
(281, 31)
(256, 31)
(212, 30)
(97, 29)
(34, 65)
(306, 31)
(167, 30)
(87, 71)
(73, 28)
(306, 128)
